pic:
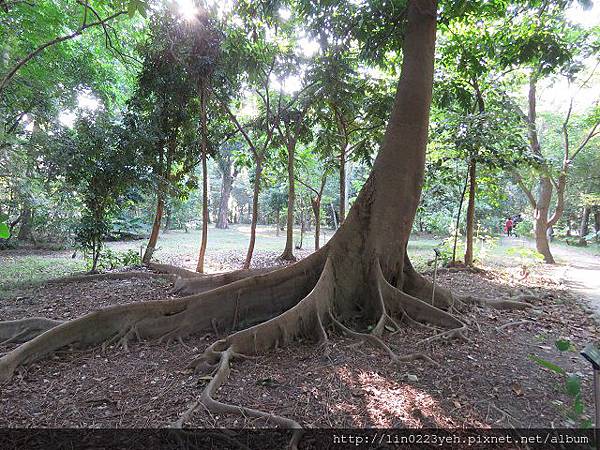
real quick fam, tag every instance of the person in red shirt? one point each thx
(508, 226)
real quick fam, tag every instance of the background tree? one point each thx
(93, 161)
(229, 170)
(160, 120)
(545, 45)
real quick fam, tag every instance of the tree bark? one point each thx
(471, 212)
(542, 203)
(342, 185)
(458, 215)
(160, 203)
(583, 228)
(540, 224)
(226, 187)
(257, 177)
(288, 252)
(168, 216)
(26, 224)
(316, 207)
(203, 149)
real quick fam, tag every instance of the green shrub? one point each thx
(527, 255)
(524, 228)
(110, 259)
(482, 245)
(572, 386)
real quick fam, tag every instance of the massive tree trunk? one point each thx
(203, 149)
(257, 176)
(361, 279)
(160, 204)
(471, 212)
(288, 252)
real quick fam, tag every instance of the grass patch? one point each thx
(19, 271)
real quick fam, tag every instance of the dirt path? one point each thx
(581, 274)
(577, 269)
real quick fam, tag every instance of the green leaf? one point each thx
(143, 8)
(132, 7)
(578, 407)
(4, 231)
(573, 385)
(547, 364)
(563, 344)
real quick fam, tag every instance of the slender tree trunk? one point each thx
(583, 228)
(26, 224)
(204, 146)
(542, 203)
(95, 255)
(277, 220)
(457, 224)
(226, 186)
(541, 220)
(168, 216)
(342, 185)
(257, 177)
(288, 252)
(316, 206)
(471, 212)
(597, 221)
(160, 204)
(302, 228)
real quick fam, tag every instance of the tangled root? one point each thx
(263, 310)
(311, 317)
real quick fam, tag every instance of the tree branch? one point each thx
(236, 122)
(525, 189)
(595, 131)
(12, 72)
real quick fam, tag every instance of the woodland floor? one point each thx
(488, 382)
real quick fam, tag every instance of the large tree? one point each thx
(358, 282)
(545, 44)
(160, 119)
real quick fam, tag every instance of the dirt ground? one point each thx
(489, 381)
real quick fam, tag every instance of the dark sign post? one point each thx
(592, 353)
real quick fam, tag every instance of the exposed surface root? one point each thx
(109, 276)
(202, 283)
(241, 303)
(19, 331)
(173, 270)
(496, 304)
(377, 342)
(220, 376)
